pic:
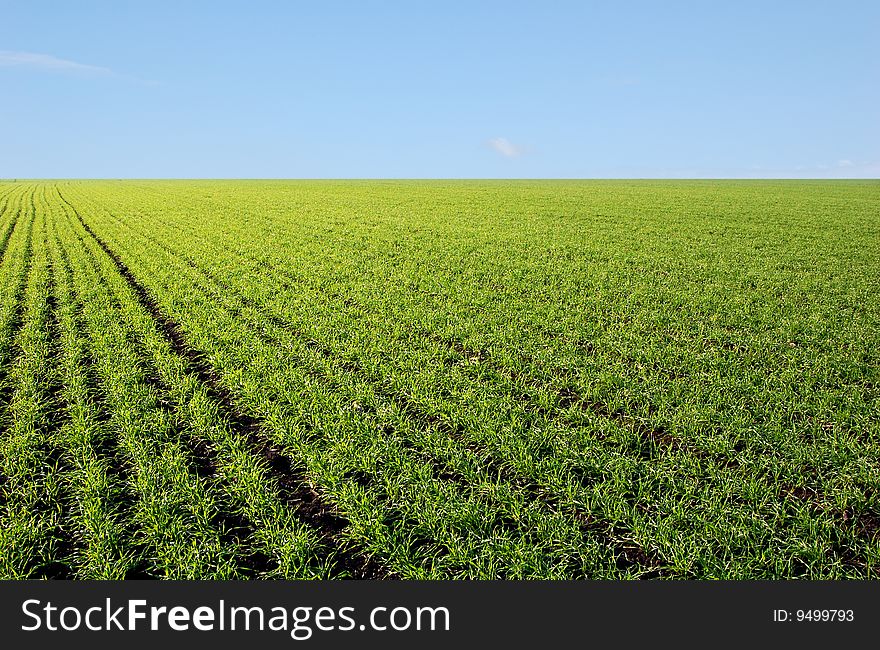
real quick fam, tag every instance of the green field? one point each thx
(440, 379)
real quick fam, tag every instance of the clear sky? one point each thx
(446, 89)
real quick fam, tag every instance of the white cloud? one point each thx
(845, 163)
(505, 147)
(10, 58)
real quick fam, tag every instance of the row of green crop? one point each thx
(669, 479)
(419, 521)
(452, 455)
(844, 437)
(382, 414)
(9, 211)
(100, 498)
(12, 267)
(247, 488)
(676, 361)
(31, 535)
(107, 499)
(423, 419)
(749, 486)
(172, 514)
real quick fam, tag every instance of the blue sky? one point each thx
(447, 89)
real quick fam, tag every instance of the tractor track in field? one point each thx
(627, 554)
(234, 527)
(294, 489)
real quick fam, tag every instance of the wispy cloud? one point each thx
(505, 147)
(9, 58)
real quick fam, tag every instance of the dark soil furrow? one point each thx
(863, 523)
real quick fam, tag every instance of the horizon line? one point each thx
(11, 179)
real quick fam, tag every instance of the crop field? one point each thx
(440, 379)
